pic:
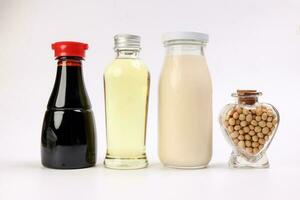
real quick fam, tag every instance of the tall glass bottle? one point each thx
(68, 133)
(185, 102)
(126, 84)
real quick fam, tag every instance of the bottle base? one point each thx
(239, 161)
(125, 163)
(63, 167)
(68, 157)
(186, 167)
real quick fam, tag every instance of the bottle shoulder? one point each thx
(69, 90)
(123, 66)
(190, 71)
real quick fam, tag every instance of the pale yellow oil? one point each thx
(126, 83)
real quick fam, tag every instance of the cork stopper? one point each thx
(247, 97)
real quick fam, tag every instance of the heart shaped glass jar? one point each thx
(249, 126)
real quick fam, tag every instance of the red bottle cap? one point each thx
(68, 48)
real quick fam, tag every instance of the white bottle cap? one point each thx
(194, 36)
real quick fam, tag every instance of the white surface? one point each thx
(253, 44)
(27, 180)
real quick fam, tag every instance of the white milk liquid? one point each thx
(185, 112)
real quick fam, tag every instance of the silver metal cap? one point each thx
(127, 41)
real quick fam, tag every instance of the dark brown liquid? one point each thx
(68, 134)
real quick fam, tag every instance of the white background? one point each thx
(254, 44)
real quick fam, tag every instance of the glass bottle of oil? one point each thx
(126, 85)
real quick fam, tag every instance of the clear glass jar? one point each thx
(249, 126)
(185, 103)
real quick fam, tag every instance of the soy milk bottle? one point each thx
(185, 102)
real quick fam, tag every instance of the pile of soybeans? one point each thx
(250, 129)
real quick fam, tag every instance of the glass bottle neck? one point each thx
(185, 49)
(127, 53)
(247, 97)
(70, 67)
(69, 61)
(69, 90)
(247, 100)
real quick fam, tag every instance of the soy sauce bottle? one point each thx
(68, 133)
